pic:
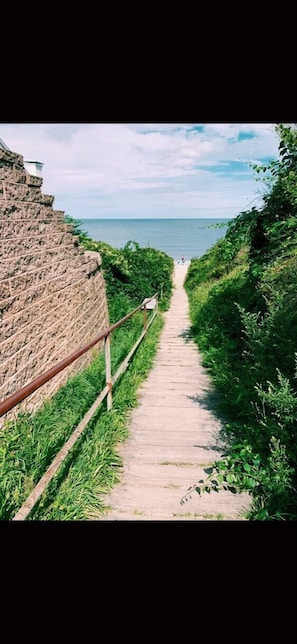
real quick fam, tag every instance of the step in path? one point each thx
(174, 433)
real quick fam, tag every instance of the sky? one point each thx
(143, 170)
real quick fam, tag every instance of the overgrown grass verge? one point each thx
(243, 308)
(28, 445)
(250, 357)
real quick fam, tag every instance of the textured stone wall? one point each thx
(52, 292)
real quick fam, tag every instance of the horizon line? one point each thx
(152, 218)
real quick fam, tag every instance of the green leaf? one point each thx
(263, 514)
(230, 478)
(247, 467)
(251, 483)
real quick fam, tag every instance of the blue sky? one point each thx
(142, 170)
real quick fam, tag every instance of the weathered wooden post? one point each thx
(108, 371)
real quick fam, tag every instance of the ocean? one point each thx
(187, 238)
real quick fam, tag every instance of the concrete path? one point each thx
(174, 433)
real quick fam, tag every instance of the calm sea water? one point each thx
(178, 238)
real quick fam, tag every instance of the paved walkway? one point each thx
(174, 434)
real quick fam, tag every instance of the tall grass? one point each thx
(78, 492)
(28, 445)
(245, 327)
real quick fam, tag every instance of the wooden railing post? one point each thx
(20, 395)
(23, 393)
(144, 317)
(108, 371)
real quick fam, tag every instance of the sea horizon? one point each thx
(188, 238)
(155, 218)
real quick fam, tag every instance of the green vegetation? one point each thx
(131, 273)
(242, 295)
(29, 444)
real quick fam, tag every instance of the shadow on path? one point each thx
(212, 400)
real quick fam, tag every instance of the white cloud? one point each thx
(149, 170)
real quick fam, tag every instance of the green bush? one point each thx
(242, 295)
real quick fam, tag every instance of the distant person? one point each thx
(182, 260)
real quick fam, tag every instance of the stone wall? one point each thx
(52, 292)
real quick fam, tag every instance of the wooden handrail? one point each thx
(39, 488)
(11, 401)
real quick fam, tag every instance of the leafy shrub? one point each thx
(242, 295)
